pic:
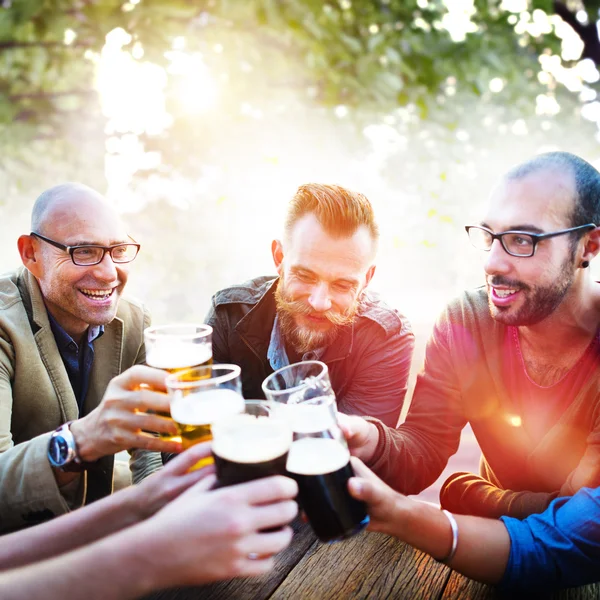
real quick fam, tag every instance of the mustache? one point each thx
(505, 281)
(297, 307)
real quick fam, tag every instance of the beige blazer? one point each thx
(36, 397)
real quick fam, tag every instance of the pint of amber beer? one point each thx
(175, 348)
(201, 396)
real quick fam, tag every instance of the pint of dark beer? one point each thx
(319, 459)
(321, 467)
(250, 445)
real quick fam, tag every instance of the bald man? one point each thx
(66, 335)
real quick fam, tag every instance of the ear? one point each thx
(369, 275)
(277, 253)
(591, 246)
(29, 254)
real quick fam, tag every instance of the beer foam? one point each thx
(317, 456)
(248, 439)
(308, 418)
(206, 407)
(176, 354)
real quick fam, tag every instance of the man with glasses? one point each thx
(517, 359)
(65, 333)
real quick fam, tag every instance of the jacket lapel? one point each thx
(108, 351)
(40, 325)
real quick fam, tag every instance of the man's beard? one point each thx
(302, 338)
(540, 302)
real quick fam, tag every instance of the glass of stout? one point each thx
(250, 445)
(178, 347)
(202, 396)
(319, 459)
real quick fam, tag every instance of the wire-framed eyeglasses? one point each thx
(515, 243)
(87, 255)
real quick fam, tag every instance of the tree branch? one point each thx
(44, 95)
(16, 44)
(588, 33)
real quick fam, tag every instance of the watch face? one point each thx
(58, 450)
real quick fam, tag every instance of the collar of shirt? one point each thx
(276, 354)
(65, 342)
(78, 360)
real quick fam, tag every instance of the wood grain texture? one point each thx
(369, 565)
(462, 588)
(249, 588)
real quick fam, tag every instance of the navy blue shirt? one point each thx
(77, 359)
(557, 548)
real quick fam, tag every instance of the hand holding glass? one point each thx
(319, 459)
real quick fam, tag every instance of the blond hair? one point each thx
(339, 211)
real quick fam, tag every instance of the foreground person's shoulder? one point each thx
(132, 308)
(373, 309)
(248, 292)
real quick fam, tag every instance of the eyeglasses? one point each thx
(515, 243)
(88, 254)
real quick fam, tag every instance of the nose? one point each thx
(106, 270)
(497, 261)
(319, 298)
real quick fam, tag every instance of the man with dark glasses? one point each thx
(518, 358)
(65, 333)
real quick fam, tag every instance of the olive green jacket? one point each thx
(36, 397)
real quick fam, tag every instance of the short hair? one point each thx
(46, 200)
(586, 203)
(339, 211)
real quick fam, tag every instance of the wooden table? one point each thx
(370, 565)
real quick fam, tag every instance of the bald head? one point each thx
(52, 203)
(586, 180)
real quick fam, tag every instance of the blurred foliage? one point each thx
(372, 54)
(381, 96)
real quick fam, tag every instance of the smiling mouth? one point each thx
(98, 294)
(504, 293)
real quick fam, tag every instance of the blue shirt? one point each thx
(77, 360)
(276, 354)
(557, 548)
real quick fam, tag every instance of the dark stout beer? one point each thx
(246, 447)
(321, 467)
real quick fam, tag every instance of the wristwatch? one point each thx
(62, 450)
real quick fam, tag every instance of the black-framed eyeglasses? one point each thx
(91, 254)
(515, 243)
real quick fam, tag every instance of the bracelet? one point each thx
(453, 524)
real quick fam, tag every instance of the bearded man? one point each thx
(518, 359)
(319, 308)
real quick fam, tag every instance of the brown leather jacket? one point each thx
(368, 364)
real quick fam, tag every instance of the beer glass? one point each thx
(251, 444)
(201, 396)
(319, 459)
(174, 348)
